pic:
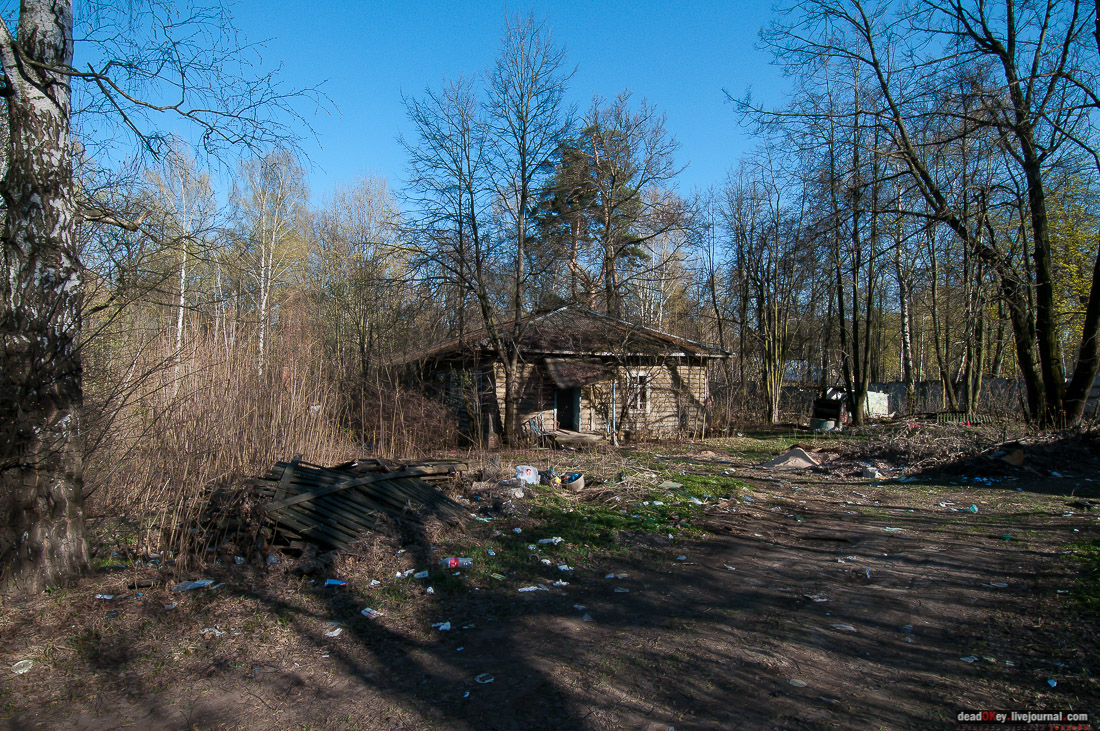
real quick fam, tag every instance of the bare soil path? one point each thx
(804, 603)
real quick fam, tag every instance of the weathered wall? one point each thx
(676, 400)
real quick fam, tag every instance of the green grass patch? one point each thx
(1087, 591)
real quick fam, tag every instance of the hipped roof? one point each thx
(578, 333)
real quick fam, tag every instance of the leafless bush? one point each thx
(170, 427)
(394, 421)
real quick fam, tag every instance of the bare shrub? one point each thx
(169, 427)
(394, 421)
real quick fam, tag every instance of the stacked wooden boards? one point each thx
(334, 506)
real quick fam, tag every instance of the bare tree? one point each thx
(526, 120)
(271, 196)
(190, 210)
(1033, 89)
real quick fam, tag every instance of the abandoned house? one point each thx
(579, 372)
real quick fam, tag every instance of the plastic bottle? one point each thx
(456, 563)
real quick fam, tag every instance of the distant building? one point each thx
(579, 371)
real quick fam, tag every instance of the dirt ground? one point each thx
(802, 600)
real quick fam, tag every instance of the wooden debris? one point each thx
(334, 506)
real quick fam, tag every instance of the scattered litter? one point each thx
(1055, 474)
(1052, 682)
(375, 582)
(466, 694)
(528, 474)
(532, 547)
(621, 590)
(559, 582)
(517, 531)
(532, 588)
(579, 607)
(111, 615)
(893, 530)
(587, 617)
(238, 560)
(456, 563)
(998, 584)
(1010, 664)
(969, 658)
(615, 576)
(871, 473)
(370, 613)
(335, 582)
(555, 540)
(420, 575)
(669, 485)
(696, 501)
(844, 628)
(907, 629)
(214, 631)
(868, 572)
(484, 678)
(22, 666)
(189, 585)
(334, 633)
(105, 597)
(564, 567)
(442, 626)
(727, 566)
(170, 607)
(796, 683)
(973, 508)
(498, 577)
(658, 503)
(429, 590)
(681, 558)
(491, 552)
(817, 597)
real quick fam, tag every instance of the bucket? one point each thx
(575, 485)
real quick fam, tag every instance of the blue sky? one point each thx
(679, 56)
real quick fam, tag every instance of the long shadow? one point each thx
(690, 644)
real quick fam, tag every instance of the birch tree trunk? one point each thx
(42, 540)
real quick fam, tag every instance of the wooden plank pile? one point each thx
(333, 506)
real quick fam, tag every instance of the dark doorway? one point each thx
(568, 403)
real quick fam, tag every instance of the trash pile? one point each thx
(505, 496)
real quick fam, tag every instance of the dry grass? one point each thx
(171, 427)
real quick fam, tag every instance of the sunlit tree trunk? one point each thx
(42, 539)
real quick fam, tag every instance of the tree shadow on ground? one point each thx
(730, 637)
